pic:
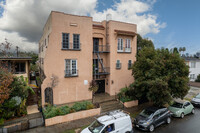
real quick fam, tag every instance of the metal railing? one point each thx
(101, 48)
(101, 71)
(71, 73)
(124, 50)
(70, 46)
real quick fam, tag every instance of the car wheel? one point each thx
(168, 120)
(182, 115)
(151, 128)
(192, 111)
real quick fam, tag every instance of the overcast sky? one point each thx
(22, 21)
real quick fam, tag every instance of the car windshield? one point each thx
(95, 127)
(198, 96)
(177, 105)
(147, 113)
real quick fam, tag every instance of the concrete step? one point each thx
(110, 105)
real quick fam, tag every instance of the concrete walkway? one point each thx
(32, 109)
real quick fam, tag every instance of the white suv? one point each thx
(117, 121)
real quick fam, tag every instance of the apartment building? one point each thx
(194, 67)
(74, 50)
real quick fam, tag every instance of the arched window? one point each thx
(49, 95)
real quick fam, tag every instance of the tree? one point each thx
(93, 87)
(183, 49)
(160, 75)
(198, 78)
(6, 79)
(141, 43)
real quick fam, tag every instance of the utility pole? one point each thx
(17, 48)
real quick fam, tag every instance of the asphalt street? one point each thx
(189, 124)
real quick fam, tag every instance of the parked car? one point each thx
(152, 117)
(196, 100)
(181, 108)
(116, 121)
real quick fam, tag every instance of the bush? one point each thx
(126, 94)
(52, 111)
(198, 78)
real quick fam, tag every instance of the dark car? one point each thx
(152, 117)
(196, 100)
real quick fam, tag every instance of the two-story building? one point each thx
(74, 50)
(194, 67)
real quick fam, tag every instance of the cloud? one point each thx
(133, 11)
(22, 21)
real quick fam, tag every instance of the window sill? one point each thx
(69, 76)
(128, 52)
(118, 68)
(65, 49)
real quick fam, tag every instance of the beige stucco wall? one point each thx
(73, 88)
(120, 78)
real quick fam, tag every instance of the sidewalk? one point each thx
(60, 128)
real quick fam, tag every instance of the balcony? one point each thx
(101, 71)
(101, 48)
(124, 50)
(71, 46)
(71, 73)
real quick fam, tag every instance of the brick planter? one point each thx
(72, 116)
(131, 104)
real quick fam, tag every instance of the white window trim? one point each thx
(70, 74)
(128, 45)
(120, 45)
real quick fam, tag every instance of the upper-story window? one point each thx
(76, 41)
(65, 40)
(118, 64)
(129, 64)
(120, 44)
(193, 64)
(128, 45)
(71, 68)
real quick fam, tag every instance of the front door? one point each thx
(101, 84)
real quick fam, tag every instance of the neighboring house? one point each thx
(20, 66)
(74, 50)
(194, 67)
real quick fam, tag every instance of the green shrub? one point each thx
(52, 111)
(126, 94)
(198, 78)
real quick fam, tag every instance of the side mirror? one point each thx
(184, 107)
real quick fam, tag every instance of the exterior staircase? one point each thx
(110, 105)
(107, 102)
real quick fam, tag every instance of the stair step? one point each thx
(110, 105)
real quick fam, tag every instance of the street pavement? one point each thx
(189, 124)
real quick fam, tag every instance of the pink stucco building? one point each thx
(74, 50)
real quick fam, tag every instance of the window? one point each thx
(65, 40)
(71, 68)
(20, 68)
(118, 64)
(193, 64)
(129, 64)
(186, 104)
(76, 41)
(192, 76)
(109, 128)
(120, 45)
(128, 45)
